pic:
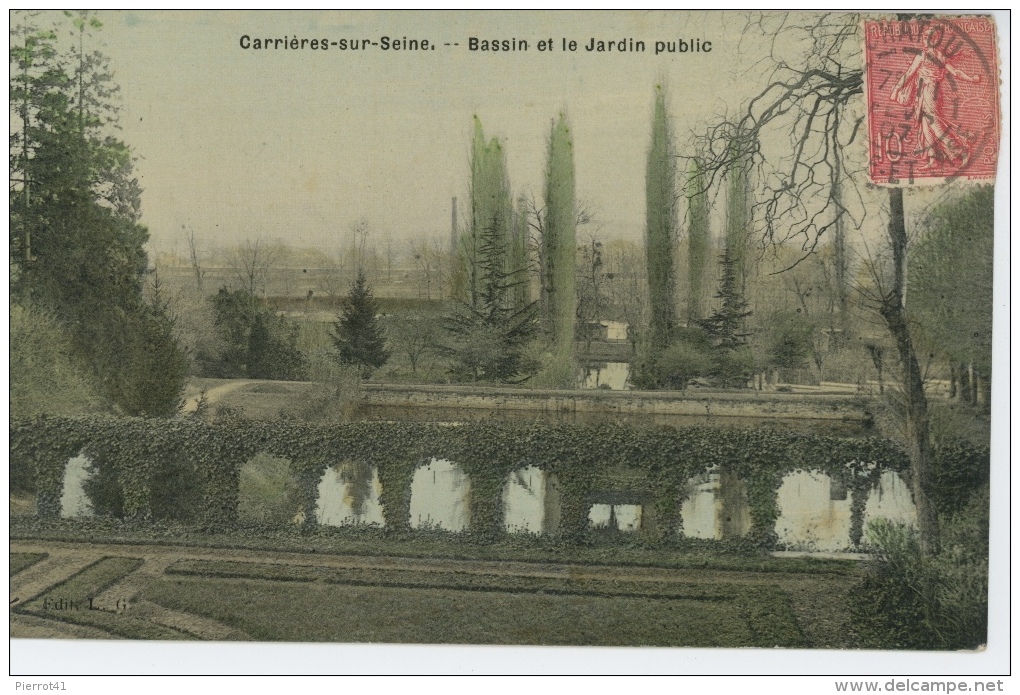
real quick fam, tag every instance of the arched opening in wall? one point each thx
(348, 495)
(809, 517)
(268, 492)
(75, 500)
(891, 499)
(440, 496)
(524, 501)
(698, 511)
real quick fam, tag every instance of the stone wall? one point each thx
(692, 403)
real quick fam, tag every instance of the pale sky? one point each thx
(297, 145)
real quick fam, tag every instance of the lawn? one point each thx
(277, 611)
(22, 561)
(300, 603)
(442, 588)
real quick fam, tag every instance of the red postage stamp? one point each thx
(932, 91)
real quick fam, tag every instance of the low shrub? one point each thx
(931, 603)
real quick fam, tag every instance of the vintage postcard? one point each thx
(665, 329)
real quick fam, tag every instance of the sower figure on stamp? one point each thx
(921, 86)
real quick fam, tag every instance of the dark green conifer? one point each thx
(358, 336)
(661, 224)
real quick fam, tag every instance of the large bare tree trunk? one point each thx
(915, 402)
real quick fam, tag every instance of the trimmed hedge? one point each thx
(139, 453)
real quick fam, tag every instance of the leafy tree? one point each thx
(928, 601)
(357, 333)
(680, 363)
(234, 312)
(784, 340)
(486, 338)
(46, 374)
(35, 77)
(413, 335)
(156, 366)
(256, 343)
(951, 280)
(661, 222)
(789, 339)
(75, 239)
(689, 356)
(272, 349)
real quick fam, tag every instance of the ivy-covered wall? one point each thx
(584, 459)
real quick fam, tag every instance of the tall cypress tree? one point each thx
(737, 232)
(661, 223)
(490, 201)
(519, 254)
(697, 240)
(560, 247)
(358, 336)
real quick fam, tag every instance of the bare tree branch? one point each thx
(797, 193)
(251, 262)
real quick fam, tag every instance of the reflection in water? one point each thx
(615, 330)
(615, 517)
(809, 519)
(524, 501)
(73, 500)
(891, 500)
(440, 497)
(611, 375)
(359, 477)
(698, 511)
(348, 495)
